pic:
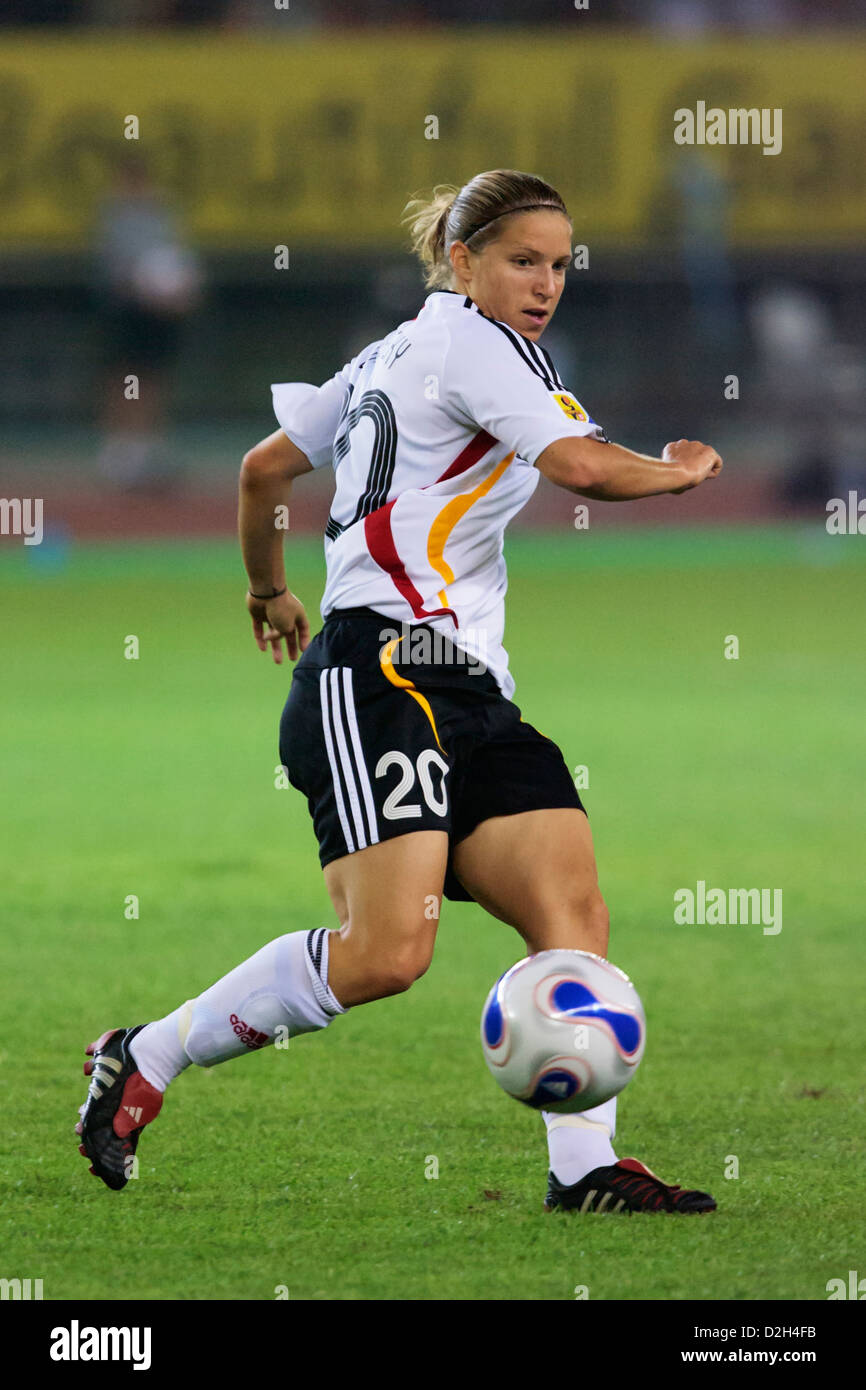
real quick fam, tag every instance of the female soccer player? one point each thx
(422, 777)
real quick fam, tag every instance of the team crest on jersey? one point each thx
(573, 409)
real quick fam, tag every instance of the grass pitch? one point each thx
(305, 1168)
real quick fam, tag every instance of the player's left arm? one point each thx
(266, 477)
(612, 473)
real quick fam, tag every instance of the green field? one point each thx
(306, 1167)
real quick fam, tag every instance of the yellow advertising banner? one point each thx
(316, 142)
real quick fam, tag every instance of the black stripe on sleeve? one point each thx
(554, 373)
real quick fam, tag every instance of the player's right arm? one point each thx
(263, 498)
(308, 417)
(611, 473)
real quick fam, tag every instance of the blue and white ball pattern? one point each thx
(563, 1030)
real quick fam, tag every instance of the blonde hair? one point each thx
(473, 214)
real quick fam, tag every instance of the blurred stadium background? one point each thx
(306, 127)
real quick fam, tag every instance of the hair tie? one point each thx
(524, 207)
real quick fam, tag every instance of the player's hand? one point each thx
(698, 461)
(279, 619)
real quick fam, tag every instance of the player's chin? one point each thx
(531, 327)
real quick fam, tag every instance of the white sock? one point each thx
(579, 1143)
(158, 1051)
(283, 986)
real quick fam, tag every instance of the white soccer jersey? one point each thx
(433, 432)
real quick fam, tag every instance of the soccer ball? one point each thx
(563, 1030)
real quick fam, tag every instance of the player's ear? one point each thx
(460, 263)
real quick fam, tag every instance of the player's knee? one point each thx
(389, 969)
(379, 958)
(596, 917)
(587, 911)
(397, 971)
(598, 909)
(586, 901)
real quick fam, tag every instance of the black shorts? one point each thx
(382, 748)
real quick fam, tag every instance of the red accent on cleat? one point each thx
(82, 1150)
(88, 1068)
(141, 1103)
(100, 1042)
(634, 1165)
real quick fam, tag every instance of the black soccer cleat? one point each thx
(119, 1104)
(627, 1185)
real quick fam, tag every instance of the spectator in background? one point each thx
(702, 202)
(148, 283)
(812, 385)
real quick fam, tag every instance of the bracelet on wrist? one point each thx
(275, 594)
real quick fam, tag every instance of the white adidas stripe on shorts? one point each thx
(346, 757)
